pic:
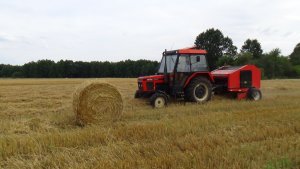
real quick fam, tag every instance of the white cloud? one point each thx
(122, 29)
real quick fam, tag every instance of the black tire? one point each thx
(158, 100)
(254, 94)
(199, 90)
(137, 94)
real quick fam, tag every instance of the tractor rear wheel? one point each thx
(254, 94)
(158, 100)
(199, 90)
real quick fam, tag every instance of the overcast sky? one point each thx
(116, 30)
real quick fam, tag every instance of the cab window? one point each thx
(184, 64)
(170, 63)
(198, 63)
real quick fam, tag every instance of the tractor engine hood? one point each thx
(151, 78)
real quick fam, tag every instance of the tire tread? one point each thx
(188, 96)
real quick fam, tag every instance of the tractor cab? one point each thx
(183, 61)
(178, 65)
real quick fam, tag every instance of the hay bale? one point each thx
(96, 102)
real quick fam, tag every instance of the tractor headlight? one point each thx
(140, 86)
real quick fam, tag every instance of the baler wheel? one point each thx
(254, 94)
(199, 90)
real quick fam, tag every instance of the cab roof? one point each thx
(190, 50)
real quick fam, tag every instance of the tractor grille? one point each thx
(140, 86)
(149, 85)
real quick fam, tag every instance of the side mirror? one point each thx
(198, 59)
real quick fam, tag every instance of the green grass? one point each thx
(283, 163)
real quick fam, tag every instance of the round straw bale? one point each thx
(96, 102)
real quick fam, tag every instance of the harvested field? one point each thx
(37, 130)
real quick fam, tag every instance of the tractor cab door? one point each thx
(183, 70)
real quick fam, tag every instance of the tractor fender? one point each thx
(164, 93)
(197, 74)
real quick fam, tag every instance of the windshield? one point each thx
(170, 62)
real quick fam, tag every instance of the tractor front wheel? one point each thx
(137, 95)
(199, 90)
(158, 100)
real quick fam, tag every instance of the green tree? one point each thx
(17, 74)
(252, 46)
(30, 69)
(275, 65)
(216, 45)
(225, 61)
(295, 56)
(296, 69)
(66, 68)
(244, 58)
(44, 68)
(9, 70)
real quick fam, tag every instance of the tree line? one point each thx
(79, 69)
(220, 48)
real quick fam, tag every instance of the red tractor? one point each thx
(184, 74)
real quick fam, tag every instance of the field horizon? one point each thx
(38, 129)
